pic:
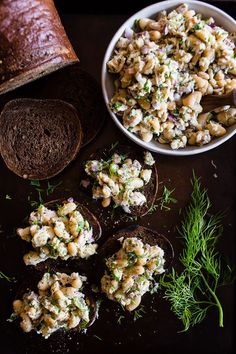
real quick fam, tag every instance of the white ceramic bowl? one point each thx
(221, 18)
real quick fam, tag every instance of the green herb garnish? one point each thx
(6, 277)
(139, 313)
(51, 187)
(120, 318)
(193, 292)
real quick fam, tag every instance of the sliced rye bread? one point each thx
(39, 138)
(66, 265)
(149, 190)
(79, 88)
(148, 236)
(33, 42)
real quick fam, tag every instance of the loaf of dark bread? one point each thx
(39, 138)
(134, 153)
(148, 236)
(76, 86)
(33, 42)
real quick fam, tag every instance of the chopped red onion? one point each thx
(145, 50)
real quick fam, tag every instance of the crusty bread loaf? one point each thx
(39, 138)
(33, 42)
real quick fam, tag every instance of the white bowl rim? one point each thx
(181, 152)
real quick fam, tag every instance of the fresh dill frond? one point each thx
(139, 313)
(163, 202)
(193, 291)
(120, 318)
(6, 277)
(51, 187)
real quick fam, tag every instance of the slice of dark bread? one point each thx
(149, 190)
(39, 138)
(76, 86)
(148, 236)
(33, 42)
(63, 265)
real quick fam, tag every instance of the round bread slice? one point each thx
(66, 265)
(39, 138)
(149, 190)
(79, 88)
(148, 236)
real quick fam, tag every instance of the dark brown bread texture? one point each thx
(33, 42)
(79, 88)
(149, 190)
(39, 138)
(148, 236)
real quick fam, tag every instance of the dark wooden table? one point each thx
(157, 331)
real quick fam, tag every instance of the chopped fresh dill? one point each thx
(51, 187)
(113, 146)
(167, 198)
(163, 202)
(99, 338)
(6, 277)
(193, 291)
(139, 313)
(120, 318)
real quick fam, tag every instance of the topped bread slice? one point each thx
(124, 177)
(39, 138)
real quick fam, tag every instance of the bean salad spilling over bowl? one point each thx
(163, 67)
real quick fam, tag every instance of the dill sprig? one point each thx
(163, 202)
(192, 292)
(139, 313)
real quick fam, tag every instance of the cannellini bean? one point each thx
(227, 117)
(73, 321)
(144, 22)
(17, 306)
(215, 129)
(106, 202)
(24, 233)
(50, 322)
(31, 258)
(134, 303)
(127, 284)
(155, 35)
(146, 136)
(76, 283)
(72, 249)
(26, 324)
(192, 99)
(58, 295)
(202, 119)
(66, 209)
(138, 270)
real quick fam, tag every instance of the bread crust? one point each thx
(33, 42)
